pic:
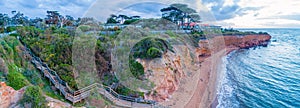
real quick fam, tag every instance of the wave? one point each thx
(262, 77)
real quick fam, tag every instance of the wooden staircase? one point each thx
(76, 96)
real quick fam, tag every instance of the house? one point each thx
(209, 27)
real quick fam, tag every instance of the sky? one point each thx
(227, 13)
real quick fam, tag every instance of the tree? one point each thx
(3, 19)
(19, 18)
(122, 18)
(184, 8)
(56, 19)
(177, 12)
(112, 19)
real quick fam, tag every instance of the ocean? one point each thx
(263, 77)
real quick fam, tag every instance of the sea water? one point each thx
(263, 77)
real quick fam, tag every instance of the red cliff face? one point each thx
(247, 41)
(166, 73)
(230, 42)
(8, 96)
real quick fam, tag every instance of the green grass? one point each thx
(15, 78)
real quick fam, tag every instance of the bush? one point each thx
(33, 77)
(136, 69)
(34, 98)
(10, 29)
(130, 21)
(1, 30)
(154, 52)
(16, 80)
(150, 48)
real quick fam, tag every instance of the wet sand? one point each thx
(206, 90)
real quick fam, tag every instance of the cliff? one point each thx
(8, 96)
(230, 43)
(168, 72)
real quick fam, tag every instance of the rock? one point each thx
(247, 41)
(167, 72)
(3, 67)
(8, 96)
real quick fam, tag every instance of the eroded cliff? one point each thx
(168, 71)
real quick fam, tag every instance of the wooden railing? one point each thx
(76, 96)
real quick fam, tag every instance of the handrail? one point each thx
(76, 96)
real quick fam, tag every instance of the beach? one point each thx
(199, 88)
(208, 81)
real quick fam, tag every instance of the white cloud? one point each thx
(235, 13)
(269, 15)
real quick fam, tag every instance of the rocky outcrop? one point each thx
(165, 73)
(230, 42)
(8, 96)
(247, 41)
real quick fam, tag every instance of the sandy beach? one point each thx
(199, 88)
(206, 90)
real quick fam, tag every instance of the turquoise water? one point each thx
(263, 77)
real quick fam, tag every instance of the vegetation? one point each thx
(231, 31)
(128, 92)
(130, 21)
(17, 70)
(179, 12)
(148, 48)
(33, 98)
(33, 77)
(11, 63)
(58, 56)
(15, 79)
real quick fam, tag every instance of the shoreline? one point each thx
(207, 87)
(205, 94)
(215, 102)
(199, 88)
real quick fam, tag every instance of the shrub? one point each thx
(15, 79)
(136, 69)
(33, 77)
(154, 52)
(34, 98)
(150, 48)
(10, 29)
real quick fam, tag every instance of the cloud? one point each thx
(223, 10)
(146, 10)
(243, 11)
(101, 9)
(31, 4)
(291, 17)
(239, 13)
(38, 8)
(1, 3)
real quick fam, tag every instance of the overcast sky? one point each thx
(228, 13)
